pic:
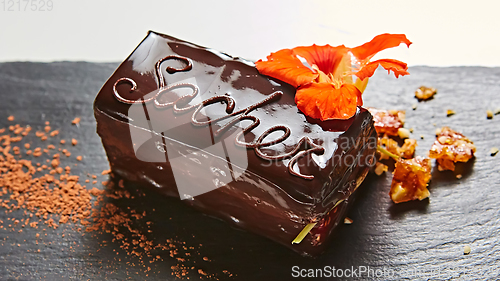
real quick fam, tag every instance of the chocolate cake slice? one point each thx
(196, 123)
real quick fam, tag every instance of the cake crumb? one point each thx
(79, 158)
(76, 121)
(74, 142)
(450, 112)
(489, 114)
(494, 151)
(459, 176)
(11, 118)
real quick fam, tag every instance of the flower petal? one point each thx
(327, 58)
(285, 66)
(398, 67)
(379, 43)
(323, 101)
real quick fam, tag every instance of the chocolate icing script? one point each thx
(303, 148)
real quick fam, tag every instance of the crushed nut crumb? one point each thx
(467, 250)
(403, 133)
(380, 168)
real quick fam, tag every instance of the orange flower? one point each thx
(331, 84)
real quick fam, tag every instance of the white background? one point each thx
(444, 33)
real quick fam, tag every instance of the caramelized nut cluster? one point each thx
(425, 93)
(388, 121)
(410, 180)
(451, 147)
(406, 151)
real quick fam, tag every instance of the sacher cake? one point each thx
(196, 123)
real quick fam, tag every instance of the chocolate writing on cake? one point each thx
(303, 148)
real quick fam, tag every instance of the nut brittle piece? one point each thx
(410, 179)
(451, 147)
(406, 151)
(388, 121)
(408, 148)
(425, 93)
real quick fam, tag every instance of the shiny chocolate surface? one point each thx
(232, 141)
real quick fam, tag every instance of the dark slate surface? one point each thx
(416, 240)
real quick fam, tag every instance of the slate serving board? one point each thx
(416, 240)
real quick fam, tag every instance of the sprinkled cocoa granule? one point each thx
(76, 121)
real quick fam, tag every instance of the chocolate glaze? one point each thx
(296, 169)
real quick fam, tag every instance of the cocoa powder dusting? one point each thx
(50, 197)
